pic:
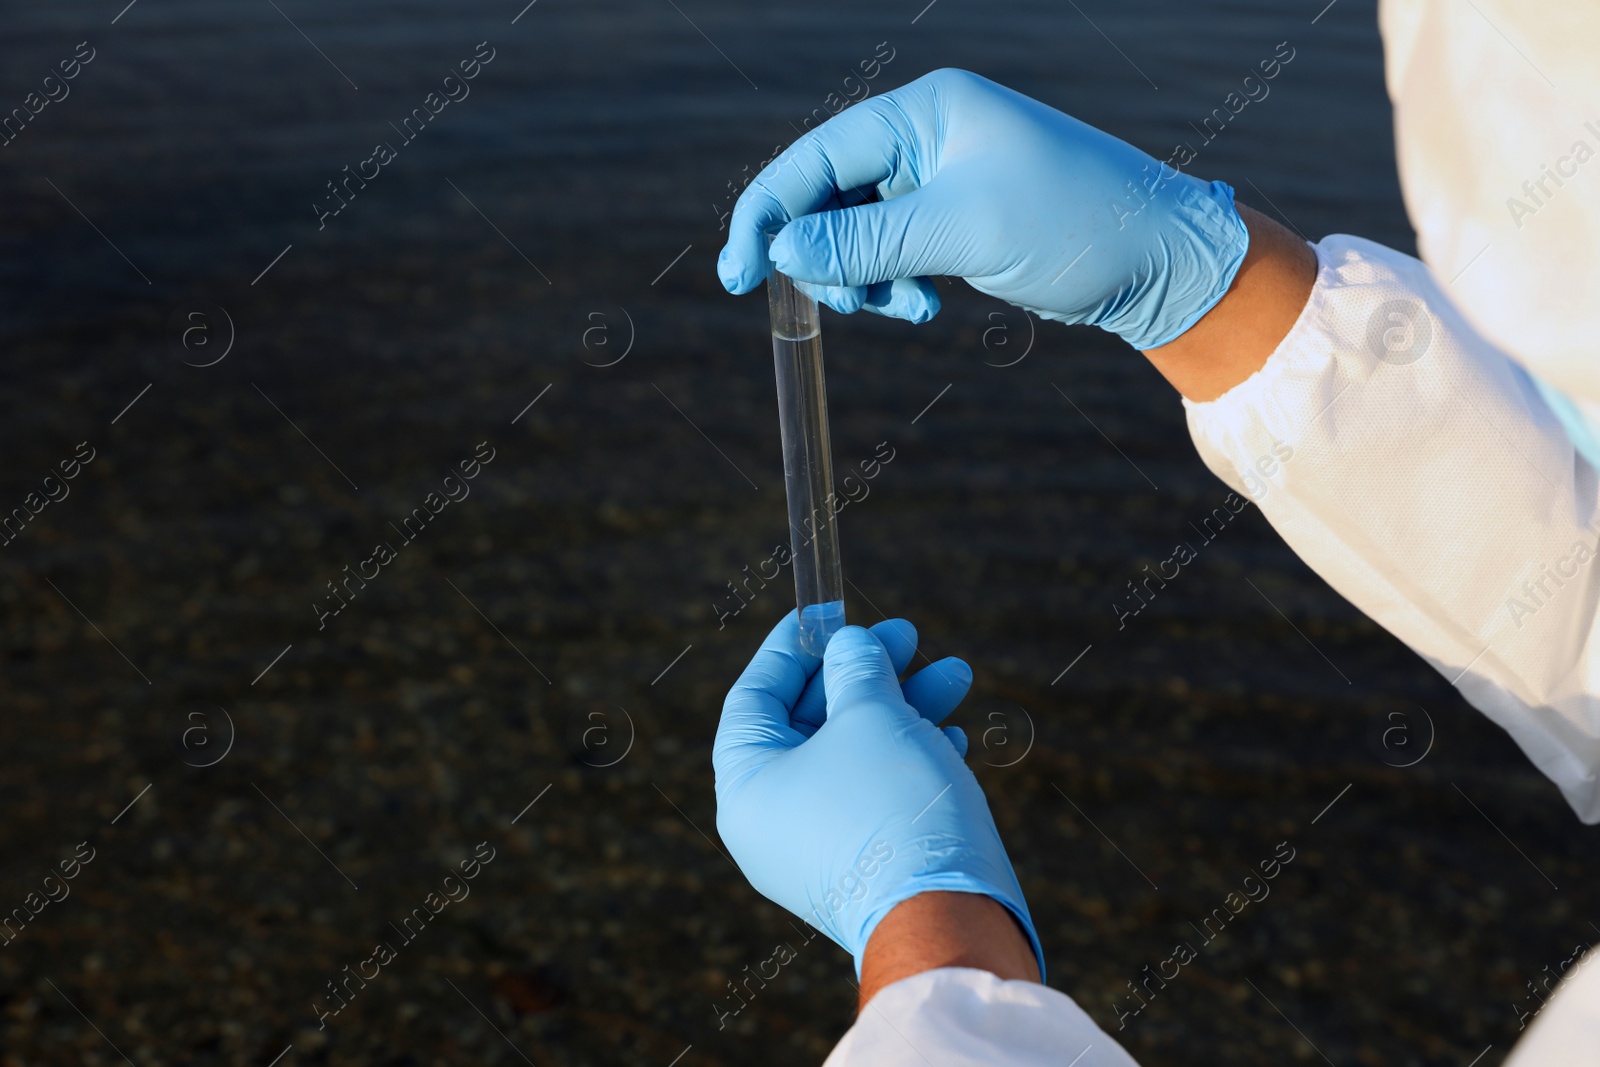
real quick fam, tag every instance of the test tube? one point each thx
(807, 460)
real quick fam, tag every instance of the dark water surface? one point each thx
(554, 636)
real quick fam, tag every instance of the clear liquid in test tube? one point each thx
(807, 461)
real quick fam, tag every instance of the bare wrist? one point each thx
(940, 929)
(1234, 339)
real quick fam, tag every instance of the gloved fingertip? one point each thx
(899, 639)
(920, 298)
(920, 311)
(913, 300)
(728, 270)
(799, 251)
(901, 629)
(951, 673)
(958, 738)
(845, 299)
(850, 640)
(844, 306)
(938, 689)
(738, 273)
(857, 669)
(782, 249)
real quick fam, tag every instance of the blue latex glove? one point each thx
(840, 821)
(1024, 202)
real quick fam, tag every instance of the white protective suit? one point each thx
(1436, 421)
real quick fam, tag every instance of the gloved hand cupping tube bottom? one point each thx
(978, 181)
(840, 814)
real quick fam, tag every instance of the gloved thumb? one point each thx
(878, 242)
(856, 671)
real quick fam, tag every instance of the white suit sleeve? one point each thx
(1563, 1030)
(959, 1017)
(1419, 472)
(1496, 144)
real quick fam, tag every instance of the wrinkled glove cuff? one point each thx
(1202, 245)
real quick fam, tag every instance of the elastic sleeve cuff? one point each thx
(958, 1015)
